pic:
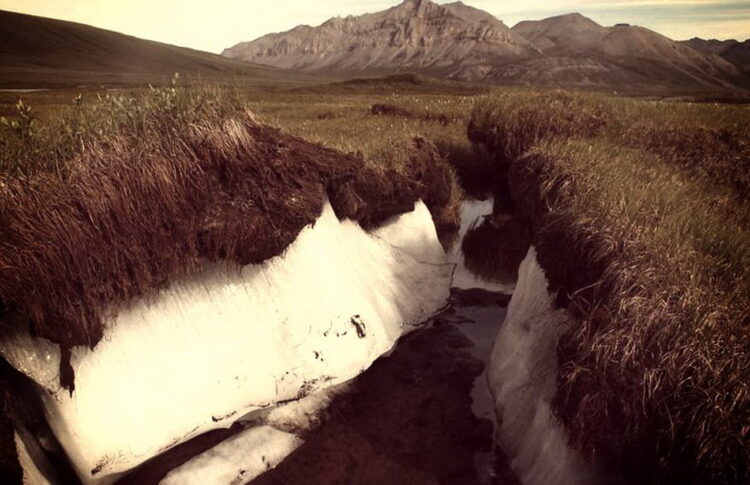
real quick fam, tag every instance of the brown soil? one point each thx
(408, 419)
(328, 115)
(389, 110)
(494, 248)
(476, 170)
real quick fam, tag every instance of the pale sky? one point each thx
(213, 25)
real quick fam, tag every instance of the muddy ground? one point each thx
(406, 420)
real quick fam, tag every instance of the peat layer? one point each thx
(125, 221)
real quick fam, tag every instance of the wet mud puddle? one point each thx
(423, 414)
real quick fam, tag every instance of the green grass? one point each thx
(336, 116)
(32, 143)
(641, 218)
(509, 123)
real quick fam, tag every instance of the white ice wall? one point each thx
(409, 232)
(522, 377)
(238, 459)
(228, 340)
(31, 473)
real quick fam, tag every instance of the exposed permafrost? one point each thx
(31, 473)
(236, 460)
(522, 377)
(226, 341)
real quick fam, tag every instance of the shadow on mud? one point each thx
(408, 419)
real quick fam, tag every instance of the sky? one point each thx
(213, 25)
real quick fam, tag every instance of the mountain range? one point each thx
(461, 42)
(452, 41)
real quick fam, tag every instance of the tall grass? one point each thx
(509, 123)
(29, 144)
(642, 229)
(345, 121)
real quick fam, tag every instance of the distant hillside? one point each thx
(739, 53)
(577, 50)
(710, 46)
(460, 42)
(561, 33)
(732, 50)
(42, 52)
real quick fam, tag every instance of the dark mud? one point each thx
(22, 413)
(408, 419)
(476, 297)
(494, 248)
(10, 469)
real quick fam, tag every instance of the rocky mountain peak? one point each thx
(415, 35)
(416, 9)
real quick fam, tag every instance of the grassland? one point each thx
(640, 213)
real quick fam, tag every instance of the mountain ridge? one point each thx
(465, 43)
(414, 35)
(730, 49)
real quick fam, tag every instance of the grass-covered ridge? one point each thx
(640, 212)
(113, 198)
